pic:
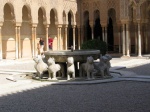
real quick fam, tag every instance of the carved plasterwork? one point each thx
(42, 3)
(96, 5)
(70, 6)
(27, 2)
(85, 6)
(8, 1)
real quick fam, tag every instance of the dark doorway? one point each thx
(110, 39)
(70, 29)
(97, 29)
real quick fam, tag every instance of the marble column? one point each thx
(106, 34)
(139, 41)
(79, 37)
(16, 42)
(19, 43)
(123, 39)
(127, 40)
(74, 40)
(136, 39)
(46, 44)
(120, 37)
(33, 42)
(66, 33)
(103, 32)
(1, 51)
(146, 38)
(59, 37)
(92, 29)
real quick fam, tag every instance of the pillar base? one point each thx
(139, 56)
(125, 56)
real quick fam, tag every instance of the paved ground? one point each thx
(128, 91)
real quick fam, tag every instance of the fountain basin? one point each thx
(78, 55)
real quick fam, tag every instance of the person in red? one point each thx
(50, 42)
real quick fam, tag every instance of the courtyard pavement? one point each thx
(127, 91)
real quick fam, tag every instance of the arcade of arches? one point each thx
(122, 24)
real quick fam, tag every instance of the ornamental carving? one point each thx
(42, 3)
(96, 5)
(10, 1)
(28, 1)
(85, 6)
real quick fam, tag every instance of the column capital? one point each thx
(91, 23)
(18, 24)
(104, 24)
(1, 24)
(59, 25)
(47, 26)
(34, 24)
(73, 26)
(66, 25)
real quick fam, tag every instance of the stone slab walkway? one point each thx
(18, 69)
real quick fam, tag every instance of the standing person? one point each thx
(50, 42)
(41, 42)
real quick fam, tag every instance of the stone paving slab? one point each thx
(27, 66)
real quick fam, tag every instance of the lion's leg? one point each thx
(54, 76)
(102, 73)
(49, 75)
(68, 76)
(73, 75)
(88, 75)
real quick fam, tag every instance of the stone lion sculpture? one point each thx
(103, 66)
(40, 66)
(70, 68)
(53, 68)
(87, 68)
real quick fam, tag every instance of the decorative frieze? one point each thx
(42, 3)
(27, 2)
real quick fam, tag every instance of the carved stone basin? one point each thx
(78, 55)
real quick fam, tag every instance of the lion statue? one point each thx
(53, 68)
(40, 66)
(70, 68)
(103, 66)
(87, 68)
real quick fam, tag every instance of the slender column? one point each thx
(123, 39)
(136, 40)
(74, 37)
(57, 38)
(106, 34)
(127, 40)
(139, 41)
(19, 42)
(33, 42)
(146, 38)
(103, 32)
(66, 37)
(119, 38)
(46, 45)
(79, 37)
(1, 52)
(16, 43)
(60, 39)
(92, 29)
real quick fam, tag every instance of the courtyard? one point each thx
(127, 91)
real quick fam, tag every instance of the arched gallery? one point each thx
(122, 24)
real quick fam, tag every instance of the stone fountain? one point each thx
(71, 62)
(78, 55)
